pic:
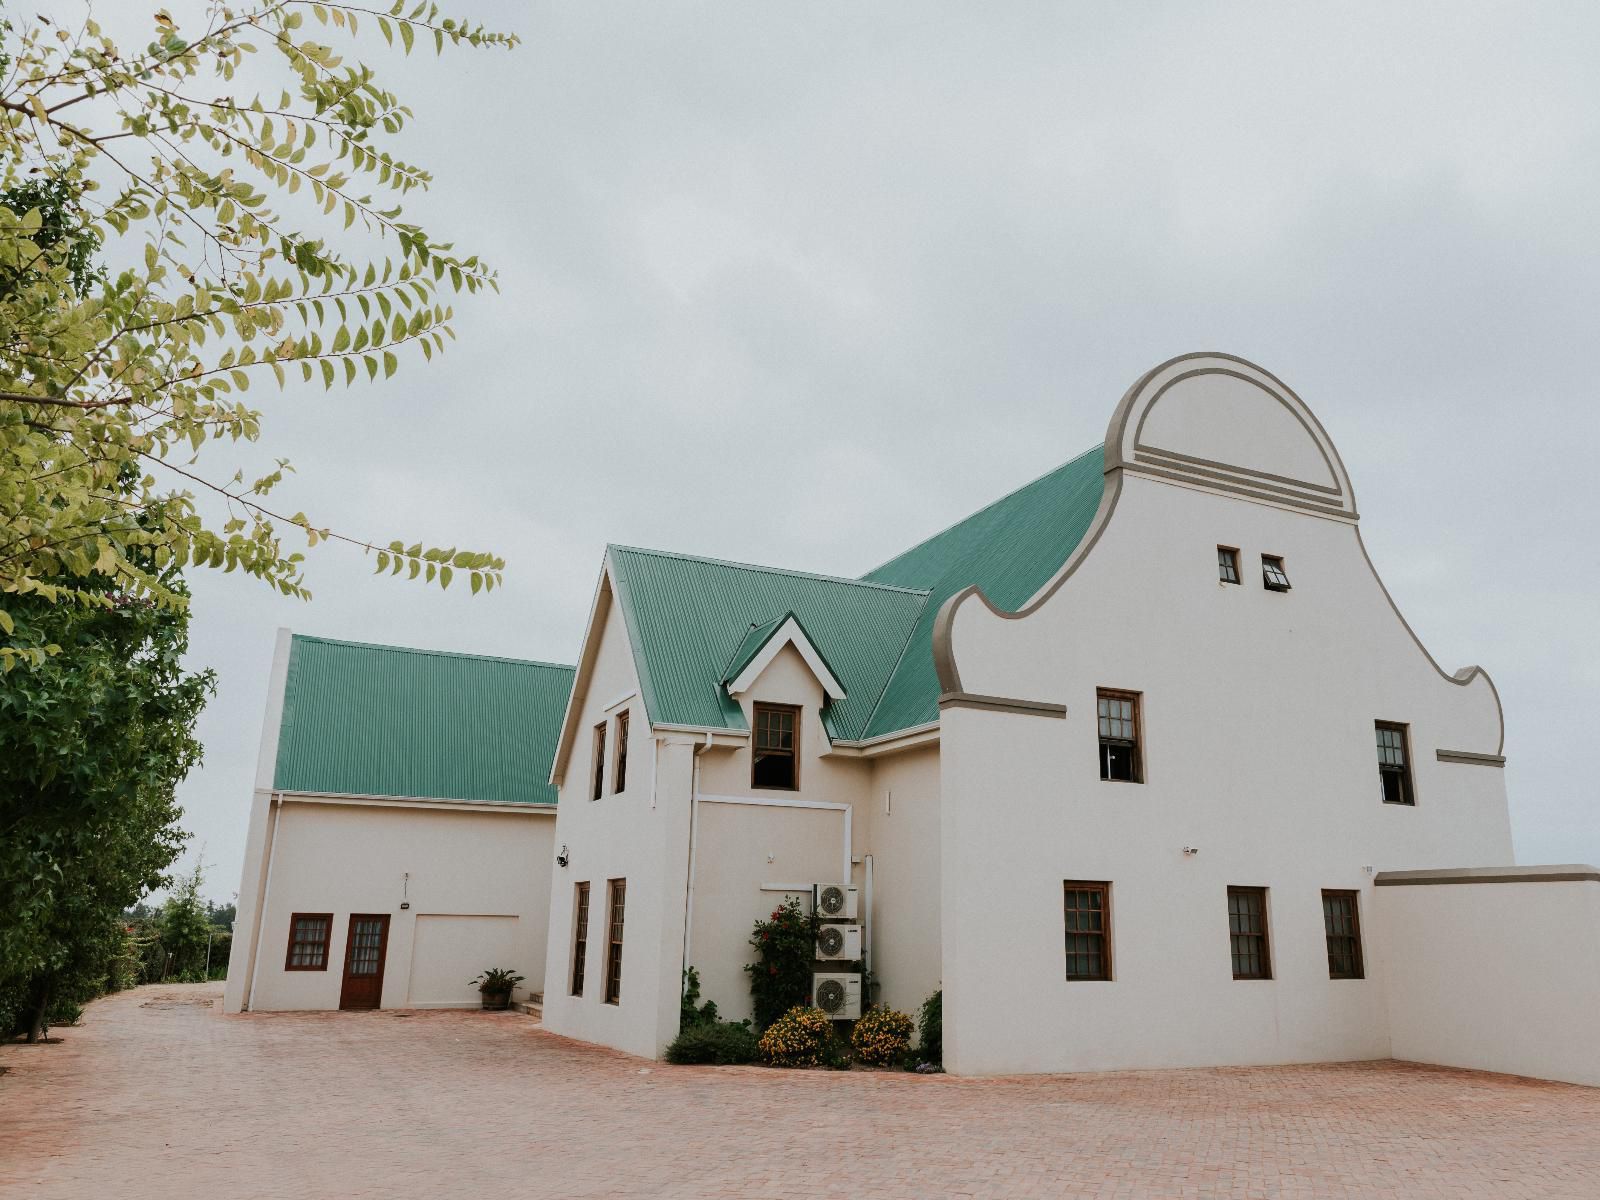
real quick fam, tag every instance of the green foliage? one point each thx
(184, 930)
(720, 1043)
(930, 1029)
(690, 1010)
(93, 743)
(881, 1036)
(786, 948)
(496, 980)
(235, 218)
(803, 1037)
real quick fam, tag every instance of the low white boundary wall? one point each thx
(1496, 969)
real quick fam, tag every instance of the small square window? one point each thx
(1394, 763)
(1273, 577)
(308, 941)
(1118, 716)
(1227, 564)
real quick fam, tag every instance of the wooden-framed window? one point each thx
(580, 936)
(1227, 564)
(1273, 577)
(1118, 715)
(1341, 921)
(617, 904)
(1394, 762)
(599, 761)
(1247, 933)
(308, 942)
(619, 771)
(1087, 913)
(775, 747)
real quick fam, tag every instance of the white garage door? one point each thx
(451, 950)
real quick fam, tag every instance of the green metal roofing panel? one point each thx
(1009, 549)
(687, 617)
(372, 720)
(751, 646)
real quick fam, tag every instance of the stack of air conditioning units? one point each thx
(837, 993)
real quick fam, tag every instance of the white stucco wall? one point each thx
(640, 834)
(901, 829)
(1495, 976)
(1258, 711)
(486, 873)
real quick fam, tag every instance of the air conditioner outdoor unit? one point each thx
(837, 995)
(841, 942)
(834, 901)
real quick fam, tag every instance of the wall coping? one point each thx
(1564, 873)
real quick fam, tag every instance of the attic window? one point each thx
(1227, 564)
(1273, 576)
(774, 746)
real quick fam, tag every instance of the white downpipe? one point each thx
(694, 843)
(866, 925)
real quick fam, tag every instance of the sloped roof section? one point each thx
(368, 720)
(1010, 550)
(688, 617)
(751, 646)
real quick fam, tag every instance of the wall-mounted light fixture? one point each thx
(561, 859)
(1190, 851)
(405, 891)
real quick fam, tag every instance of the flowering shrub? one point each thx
(780, 978)
(802, 1037)
(881, 1036)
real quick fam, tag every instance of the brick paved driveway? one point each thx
(157, 1096)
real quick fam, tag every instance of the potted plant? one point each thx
(495, 985)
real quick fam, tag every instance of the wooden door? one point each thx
(364, 954)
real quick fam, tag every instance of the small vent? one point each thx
(831, 940)
(831, 996)
(830, 900)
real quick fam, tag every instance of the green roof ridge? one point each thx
(744, 566)
(972, 516)
(521, 662)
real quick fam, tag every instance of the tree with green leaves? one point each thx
(93, 742)
(234, 220)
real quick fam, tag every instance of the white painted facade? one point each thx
(1259, 769)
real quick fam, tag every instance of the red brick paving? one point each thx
(155, 1096)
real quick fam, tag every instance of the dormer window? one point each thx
(1273, 577)
(774, 747)
(1227, 564)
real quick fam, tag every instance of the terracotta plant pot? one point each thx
(496, 1001)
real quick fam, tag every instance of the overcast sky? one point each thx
(802, 283)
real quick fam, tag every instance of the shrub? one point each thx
(930, 1028)
(690, 1012)
(803, 1037)
(786, 946)
(881, 1036)
(722, 1043)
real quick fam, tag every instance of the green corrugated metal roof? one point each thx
(1009, 549)
(372, 720)
(695, 622)
(751, 646)
(687, 616)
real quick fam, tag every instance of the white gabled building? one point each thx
(1140, 764)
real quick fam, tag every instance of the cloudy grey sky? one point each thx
(801, 284)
